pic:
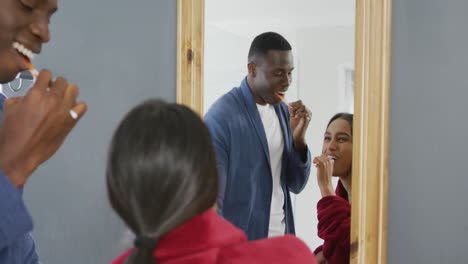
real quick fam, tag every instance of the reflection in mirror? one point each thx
(321, 34)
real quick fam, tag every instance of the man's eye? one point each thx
(26, 6)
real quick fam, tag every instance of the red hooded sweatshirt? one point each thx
(334, 225)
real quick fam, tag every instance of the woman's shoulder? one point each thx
(284, 249)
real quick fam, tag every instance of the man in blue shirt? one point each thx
(260, 143)
(32, 127)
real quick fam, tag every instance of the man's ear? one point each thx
(252, 67)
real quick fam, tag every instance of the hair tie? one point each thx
(145, 242)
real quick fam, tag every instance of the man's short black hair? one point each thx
(265, 42)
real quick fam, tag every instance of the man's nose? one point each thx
(40, 29)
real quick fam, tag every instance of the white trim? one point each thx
(345, 88)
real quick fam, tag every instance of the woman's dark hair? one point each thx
(345, 116)
(161, 172)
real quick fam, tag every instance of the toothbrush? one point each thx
(31, 68)
(283, 99)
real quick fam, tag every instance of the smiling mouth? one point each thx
(333, 157)
(27, 53)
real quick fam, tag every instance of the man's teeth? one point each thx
(23, 50)
(332, 157)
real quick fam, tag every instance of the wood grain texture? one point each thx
(371, 128)
(190, 49)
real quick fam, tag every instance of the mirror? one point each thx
(321, 34)
(371, 97)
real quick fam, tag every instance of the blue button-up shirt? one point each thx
(16, 242)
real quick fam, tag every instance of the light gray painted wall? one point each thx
(119, 53)
(428, 209)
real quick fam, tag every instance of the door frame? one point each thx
(371, 114)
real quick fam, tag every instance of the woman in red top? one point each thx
(334, 209)
(162, 181)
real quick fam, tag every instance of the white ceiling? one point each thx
(253, 14)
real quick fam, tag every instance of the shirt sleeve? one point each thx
(298, 171)
(15, 220)
(221, 147)
(334, 216)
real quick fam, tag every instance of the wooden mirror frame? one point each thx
(371, 113)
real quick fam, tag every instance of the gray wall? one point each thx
(428, 204)
(119, 52)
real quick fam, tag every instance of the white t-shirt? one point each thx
(274, 137)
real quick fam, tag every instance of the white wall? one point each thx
(225, 63)
(320, 51)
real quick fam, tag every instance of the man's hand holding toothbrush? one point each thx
(35, 126)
